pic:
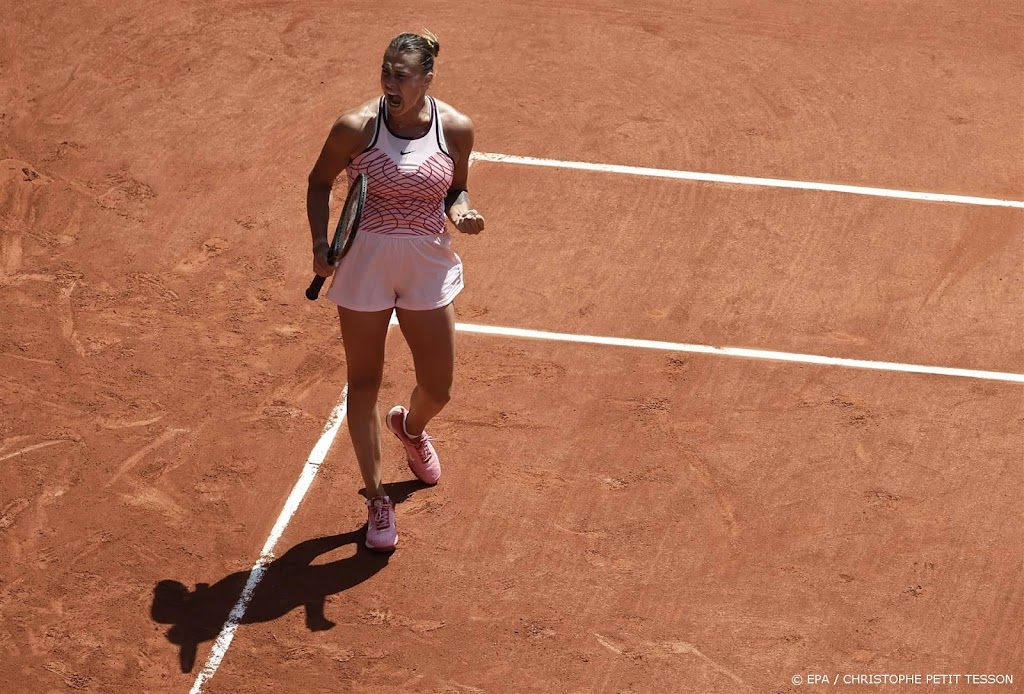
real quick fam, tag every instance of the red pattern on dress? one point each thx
(402, 201)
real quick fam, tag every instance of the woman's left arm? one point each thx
(459, 133)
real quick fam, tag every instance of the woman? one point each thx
(415, 151)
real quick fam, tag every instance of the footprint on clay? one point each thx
(614, 483)
(288, 332)
(15, 172)
(11, 511)
(126, 196)
(153, 284)
(19, 182)
(211, 248)
(64, 149)
(473, 312)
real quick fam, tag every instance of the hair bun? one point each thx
(433, 44)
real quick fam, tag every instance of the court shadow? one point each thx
(401, 491)
(290, 581)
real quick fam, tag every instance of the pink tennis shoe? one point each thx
(419, 452)
(381, 533)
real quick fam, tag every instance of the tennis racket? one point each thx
(348, 225)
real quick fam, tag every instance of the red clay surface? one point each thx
(609, 520)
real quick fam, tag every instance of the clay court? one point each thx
(659, 511)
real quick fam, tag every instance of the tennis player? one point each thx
(415, 150)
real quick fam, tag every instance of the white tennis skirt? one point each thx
(418, 273)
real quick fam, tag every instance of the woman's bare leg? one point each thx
(431, 338)
(364, 335)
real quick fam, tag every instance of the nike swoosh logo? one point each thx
(409, 152)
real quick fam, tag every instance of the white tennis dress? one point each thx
(401, 255)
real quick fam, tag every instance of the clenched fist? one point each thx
(471, 222)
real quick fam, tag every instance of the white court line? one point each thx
(739, 352)
(744, 180)
(309, 470)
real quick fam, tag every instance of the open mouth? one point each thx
(394, 101)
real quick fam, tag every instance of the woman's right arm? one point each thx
(341, 145)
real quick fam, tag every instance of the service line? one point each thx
(739, 352)
(309, 470)
(744, 180)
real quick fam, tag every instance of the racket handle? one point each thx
(314, 287)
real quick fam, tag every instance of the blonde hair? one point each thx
(425, 45)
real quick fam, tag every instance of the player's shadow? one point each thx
(290, 581)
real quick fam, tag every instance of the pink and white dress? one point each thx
(402, 254)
